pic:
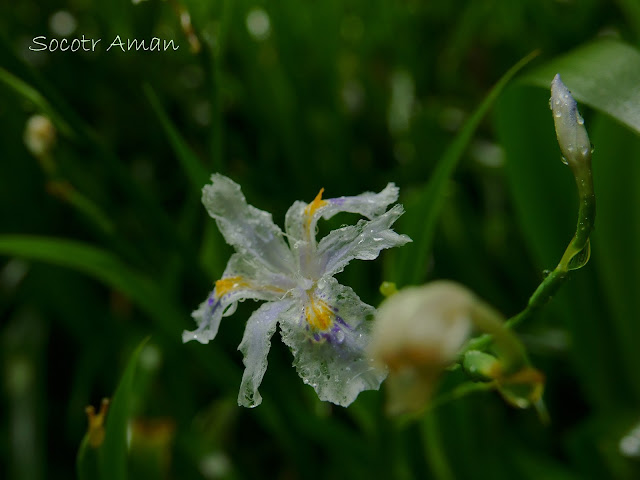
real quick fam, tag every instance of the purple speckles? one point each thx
(341, 321)
(335, 336)
(337, 201)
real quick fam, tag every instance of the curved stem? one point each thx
(552, 282)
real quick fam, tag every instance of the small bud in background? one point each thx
(481, 367)
(417, 333)
(39, 135)
(95, 430)
(150, 448)
(570, 130)
(388, 288)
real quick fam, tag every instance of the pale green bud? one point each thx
(570, 130)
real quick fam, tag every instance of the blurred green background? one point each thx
(286, 97)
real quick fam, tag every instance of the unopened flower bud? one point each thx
(570, 130)
(481, 367)
(417, 333)
(39, 135)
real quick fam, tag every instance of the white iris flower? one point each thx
(324, 323)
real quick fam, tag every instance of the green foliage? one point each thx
(108, 459)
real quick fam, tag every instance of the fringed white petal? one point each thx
(334, 362)
(249, 230)
(362, 241)
(255, 346)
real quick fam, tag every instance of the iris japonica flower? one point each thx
(324, 323)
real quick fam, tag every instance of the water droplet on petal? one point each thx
(558, 113)
(564, 160)
(339, 336)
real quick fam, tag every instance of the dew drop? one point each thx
(564, 160)
(558, 114)
(580, 120)
(339, 337)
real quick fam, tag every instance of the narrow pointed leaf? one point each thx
(421, 224)
(113, 452)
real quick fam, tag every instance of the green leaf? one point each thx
(31, 94)
(87, 461)
(98, 263)
(110, 270)
(420, 224)
(581, 258)
(113, 452)
(616, 173)
(603, 74)
(196, 173)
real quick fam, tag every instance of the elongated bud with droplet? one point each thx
(570, 130)
(576, 151)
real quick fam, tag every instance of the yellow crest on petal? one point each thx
(311, 209)
(319, 315)
(227, 285)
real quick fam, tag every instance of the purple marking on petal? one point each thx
(337, 201)
(341, 321)
(211, 300)
(215, 306)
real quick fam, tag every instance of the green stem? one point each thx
(434, 449)
(552, 282)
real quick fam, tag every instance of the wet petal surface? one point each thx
(249, 230)
(255, 346)
(332, 360)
